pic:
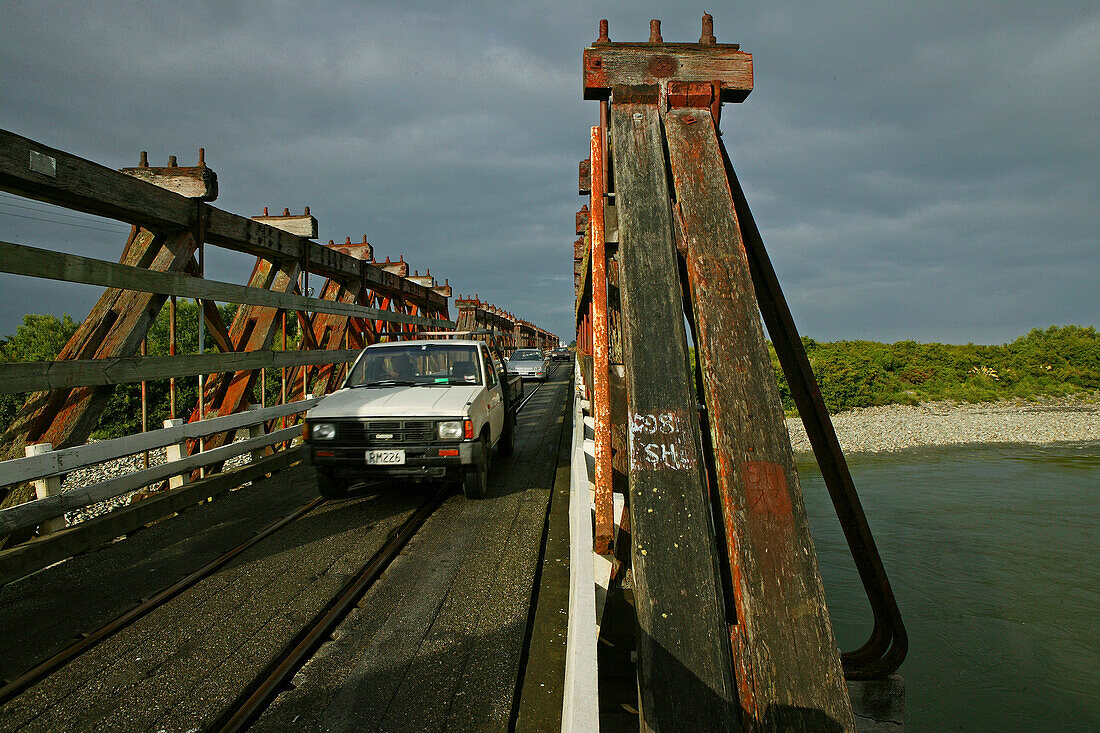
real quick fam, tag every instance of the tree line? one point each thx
(41, 338)
(1059, 360)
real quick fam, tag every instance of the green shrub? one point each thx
(1059, 360)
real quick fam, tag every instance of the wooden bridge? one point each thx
(648, 527)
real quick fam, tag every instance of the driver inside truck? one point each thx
(402, 367)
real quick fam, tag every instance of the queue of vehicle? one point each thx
(529, 364)
(430, 409)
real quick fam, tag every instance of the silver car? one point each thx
(529, 364)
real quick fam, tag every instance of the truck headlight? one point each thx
(450, 430)
(322, 431)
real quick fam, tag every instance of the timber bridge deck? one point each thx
(643, 560)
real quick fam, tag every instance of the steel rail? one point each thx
(549, 373)
(255, 699)
(49, 666)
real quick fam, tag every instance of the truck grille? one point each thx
(385, 431)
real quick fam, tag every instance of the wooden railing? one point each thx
(45, 463)
(360, 302)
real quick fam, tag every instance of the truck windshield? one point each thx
(531, 355)
(415, 364)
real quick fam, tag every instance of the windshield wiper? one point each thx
(388, 383)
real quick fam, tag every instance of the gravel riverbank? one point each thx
(897, 427)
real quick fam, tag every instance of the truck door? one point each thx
(495, 391)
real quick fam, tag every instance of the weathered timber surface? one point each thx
(684, 659)
(38, 171)
(437, 643)
(885, 650)
(194, 182)
(789, 673)
(115, 327)
(46, 550)
(44, 612)
(43, 263)
(633, 64)
(65, 460)
(302, 225)
(42, 375)
(178, 667)
(584, 177)
(82, 185)
(542, 688)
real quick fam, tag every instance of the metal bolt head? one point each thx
(603, 32)
(708, 39)
(655, 31)
(662, 66)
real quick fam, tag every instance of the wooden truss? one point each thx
(733, 626)
(361, 301)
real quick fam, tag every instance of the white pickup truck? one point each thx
(431, 409)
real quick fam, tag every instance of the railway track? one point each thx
(275, 677)
(549, 374)
(50, 665)
(252, 702)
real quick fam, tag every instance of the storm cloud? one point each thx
(923, 171)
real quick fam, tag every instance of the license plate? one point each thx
(385, 457)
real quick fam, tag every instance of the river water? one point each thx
(994, 556)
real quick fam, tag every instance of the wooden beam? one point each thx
(118, 324)
(193, 182)
(37, 171)
(33, 512)
(685, 671)
(66, 460)
(19, 259)
(31, 169)
(47, 375)
(608, 65)
(886, 648)
(788, 665)
(300, 225)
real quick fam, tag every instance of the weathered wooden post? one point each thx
(44, 487)
(782, 670)
(685, 671)
(176, 452)
(257, 430)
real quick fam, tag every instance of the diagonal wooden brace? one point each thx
(783, 659)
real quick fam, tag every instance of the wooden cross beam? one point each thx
(610, 64)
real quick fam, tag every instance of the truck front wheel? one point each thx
(475, 485)
(330, 484)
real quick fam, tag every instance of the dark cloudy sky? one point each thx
(923, 170)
